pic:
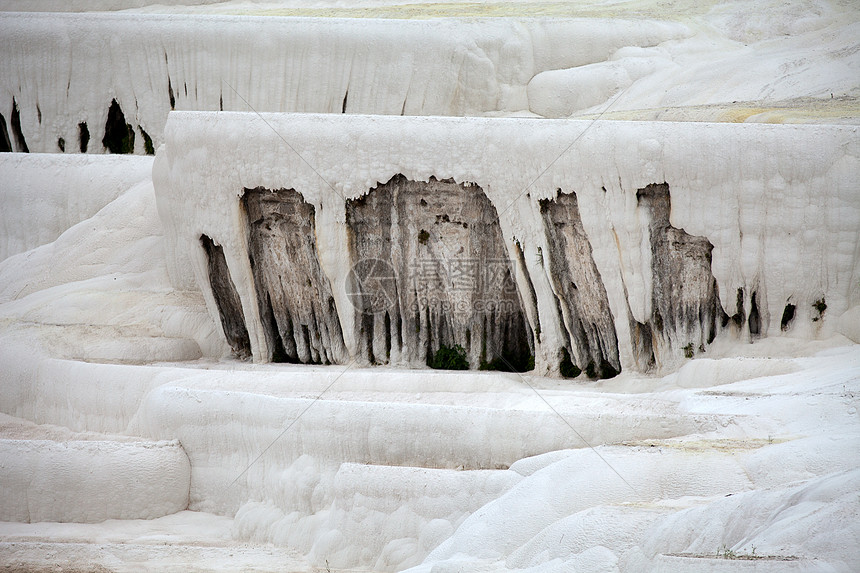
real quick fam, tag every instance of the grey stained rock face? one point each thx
(226, 299)
(294, 296)
(431, 271)
(685, 303)
(582, 296)
(437, 273)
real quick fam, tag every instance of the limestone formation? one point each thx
(294, 296)
(451, 276)
(684, 298)
(226, 299)
(579, 287)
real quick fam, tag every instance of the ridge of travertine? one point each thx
(692, 228)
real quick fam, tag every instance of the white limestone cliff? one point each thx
(745, 189)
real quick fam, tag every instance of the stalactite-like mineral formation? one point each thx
(399, 260)
(226, 299)
(450, 280)
(294, 296)
(577, 282)
(684, 298)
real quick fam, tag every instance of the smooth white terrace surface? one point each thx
(749, 452)
(39, 201)
(91, 481)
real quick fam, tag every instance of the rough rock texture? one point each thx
(294, 296)
(577, 283)
(642, 343)
(770, 180)
(227, 299)
(684, 298)
(452, 277)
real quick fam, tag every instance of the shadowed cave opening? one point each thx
(83, 136)
(583, 303)
(297, 308)
(119, 135)
(787, 316)
(754, 321)
(643, 343)
(432, 280)
(226, 299)
(15, 122)
(740, 315)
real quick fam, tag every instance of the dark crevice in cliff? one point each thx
(5, 141)
(820, 305)
(787, 316)
(431, 256)
(739, 317)
(579, 287)
(83, 136)
(277, 353)
(643, 345)
(119, 135)
(521, 261)
(148, 148)
(170, 94)
(684, 298)
(754, 321)
(366, 335)
(294, 296)
(15, 124)
(226, 299)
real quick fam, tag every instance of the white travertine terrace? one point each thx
(127, 419)
(745, 188)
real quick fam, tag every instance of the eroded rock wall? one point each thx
(450, 280)
(226, 299)
(731, 221)
(293, 294)
(582, 296)
(684, 299)
(430, 272)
